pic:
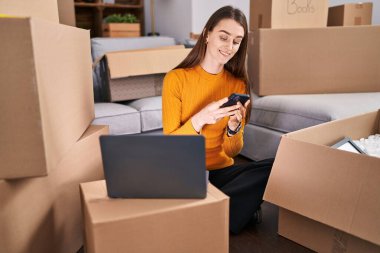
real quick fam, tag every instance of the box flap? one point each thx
(337, 188)
(144, 62)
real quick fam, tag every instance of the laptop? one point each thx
(154, 166)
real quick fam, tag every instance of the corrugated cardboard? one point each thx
(44, 9)
(154, 225)
(121, 30)
(350, 14)
(288, 14)
(319, 237)
(46, 98)
(39, 215)
(126, 68)
(66, 11)
(336, 188)
(316, 60)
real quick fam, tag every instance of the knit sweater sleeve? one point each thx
(172, 106)
(234, 144)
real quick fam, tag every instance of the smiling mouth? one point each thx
(224, 53)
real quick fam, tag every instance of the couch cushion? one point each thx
(121, 119)
(150, 112)
(287, 113)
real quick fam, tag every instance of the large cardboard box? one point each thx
(316, 60)
(43, 214)
(288, 14)
(139, 73)
(325, 192)
(46, 98)
(44, 9)
(154, 225)
(350, 14)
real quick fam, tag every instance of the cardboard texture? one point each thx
(121, 30)
(319, 237)
(43, 214)
(139, 73)
(44, 9)
(66, 11)
(350, 14)
(154, 225)
(46, 99)
(317, 60)
(288, 14)
(336, 188)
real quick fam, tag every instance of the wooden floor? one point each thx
(261, 238)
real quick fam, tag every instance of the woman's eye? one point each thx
(237, 42)
(224, 38)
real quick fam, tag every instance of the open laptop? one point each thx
(154, 166)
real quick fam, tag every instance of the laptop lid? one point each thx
(154, 166)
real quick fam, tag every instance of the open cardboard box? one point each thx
(336, 190)
(136, 74)
(46, 98)
(314, 60)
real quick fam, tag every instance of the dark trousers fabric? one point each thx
(245, 185)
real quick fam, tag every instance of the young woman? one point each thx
(192, 95)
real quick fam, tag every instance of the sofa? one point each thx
(271, 117)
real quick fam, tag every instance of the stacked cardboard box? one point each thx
(350, 14)
(303, 55)
(329, 199)
(139, 73)
(47, 145)
(154, 225)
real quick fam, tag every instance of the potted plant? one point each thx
(117, 25)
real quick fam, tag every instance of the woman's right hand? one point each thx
(212, 113)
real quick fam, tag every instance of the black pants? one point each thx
(245, 185)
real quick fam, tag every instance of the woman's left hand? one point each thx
(237, 117)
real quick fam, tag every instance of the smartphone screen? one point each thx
(234, 98)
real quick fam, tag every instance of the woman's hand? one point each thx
(238, 115)
(212, 113)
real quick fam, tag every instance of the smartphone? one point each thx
(234, 98)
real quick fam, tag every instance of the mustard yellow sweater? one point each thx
(185, 93)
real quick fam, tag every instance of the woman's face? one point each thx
(224, 41)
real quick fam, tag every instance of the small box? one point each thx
(44, 9)
(139, 73)
(154, 225)
(326, 192)
(288, 14)
(350, 14)
(119, 30)
(46, 98)
(44, 214)
(314, 60)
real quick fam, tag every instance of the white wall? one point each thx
(177, 18)
(203, 9)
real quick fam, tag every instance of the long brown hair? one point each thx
(236, 65)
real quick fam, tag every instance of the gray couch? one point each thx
(271, 116)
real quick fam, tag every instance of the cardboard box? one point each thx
(46, 99)
(288, 14)
(154, 225)
(350, 14)
(319, 237)
(44, 9)
(66, 11)
(139, 73)
(316, 60)
(338, 190)
(44, 214)
(121, 30)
